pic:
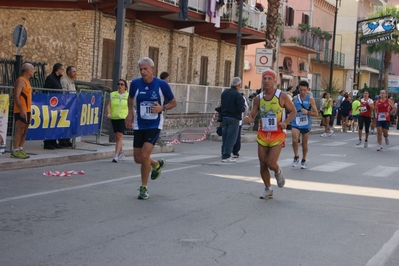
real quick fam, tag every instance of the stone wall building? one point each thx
(81, 33)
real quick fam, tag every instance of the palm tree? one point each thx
(388, 47)
(272, 20)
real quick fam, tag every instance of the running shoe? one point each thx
(267, 194)
(121, 156)
(323, 135)
(156, 172)
(143, 193)
(24, 153)
(115, 159)
(236, 155)
(386, 141)
(17, 154)
(304, 165)
(280, 179)
(380, 148)
(330, 133)
(295, 162)
(366, 143)
(229, 160)
(359, 142)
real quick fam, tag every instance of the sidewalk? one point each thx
(87, 150)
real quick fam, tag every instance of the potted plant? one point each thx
(293, 39)
(303, 27)
(316, 31)
(326, 35)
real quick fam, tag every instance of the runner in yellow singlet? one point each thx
(272, 105)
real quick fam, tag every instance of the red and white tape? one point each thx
(207, 130)
(66, 173)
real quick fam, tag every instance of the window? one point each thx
(153, 53)
(227, 70)
(204, 71)
(108, 58)
(305, 18)
(289, 16)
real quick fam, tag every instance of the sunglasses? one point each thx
(122, 84)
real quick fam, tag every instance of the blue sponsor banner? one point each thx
(63, 116)
(90, 113)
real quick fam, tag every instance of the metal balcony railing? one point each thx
(303, 38)
(325, 57)
(251, 16)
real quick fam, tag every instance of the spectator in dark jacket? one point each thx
(53, 81)
(232, 107)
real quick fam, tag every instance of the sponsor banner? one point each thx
(379, 26)
(4, 105)
(63, 116)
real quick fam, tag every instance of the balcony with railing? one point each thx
(303, 41)
(251, 16)
(371, 62)
(326, 56)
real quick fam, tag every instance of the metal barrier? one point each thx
(105, 124)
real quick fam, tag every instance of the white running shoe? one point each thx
(380, 148)
(366, 143)
(115, 159)
(267, 194)
(386, 141)
(121, 156)
(331, 132)
(323, 135)
(359, 142)
(280, 179)
(229, 160)
(304, 165)
(295, 162)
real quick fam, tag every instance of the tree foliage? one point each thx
(272, 23)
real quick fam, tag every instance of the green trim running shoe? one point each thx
(156, 172)
(18, 154)
(24, 153)
(143, 193)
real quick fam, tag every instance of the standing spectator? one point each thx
(305, 107)
(345, 111)
(53, 82)
(165, 76)
(340, 98)
(392, 115)
(237, 145)
(334, 113)
(322, 101)
(117, 111)
(366, 108)
(232, 106)
(145, 116)
(327, 112)
(271, 104)
(355, 113)
(68, 84)
(383, 108)
(22, 110)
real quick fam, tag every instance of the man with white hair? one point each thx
(272, 105)
(232, 107)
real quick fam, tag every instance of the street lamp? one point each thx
(333, 45)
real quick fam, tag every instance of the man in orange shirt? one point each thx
(22, 110)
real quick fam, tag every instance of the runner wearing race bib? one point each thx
(272, 105)
(383, 107)
(366, 106)
(305, 107)
(146, 106)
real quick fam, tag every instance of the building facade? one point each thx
(194, 47)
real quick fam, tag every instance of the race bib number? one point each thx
(269, 122)
(363, 109)
(302, 120)
(145, 111)
(382, 117)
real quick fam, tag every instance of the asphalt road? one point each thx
(342, 210)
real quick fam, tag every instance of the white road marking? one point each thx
(382, 171)
(334, 143)
(385, 252)
(87, 185)
(331, 166)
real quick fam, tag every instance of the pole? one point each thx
(238, 42)
(117, 70)
(333, 47)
